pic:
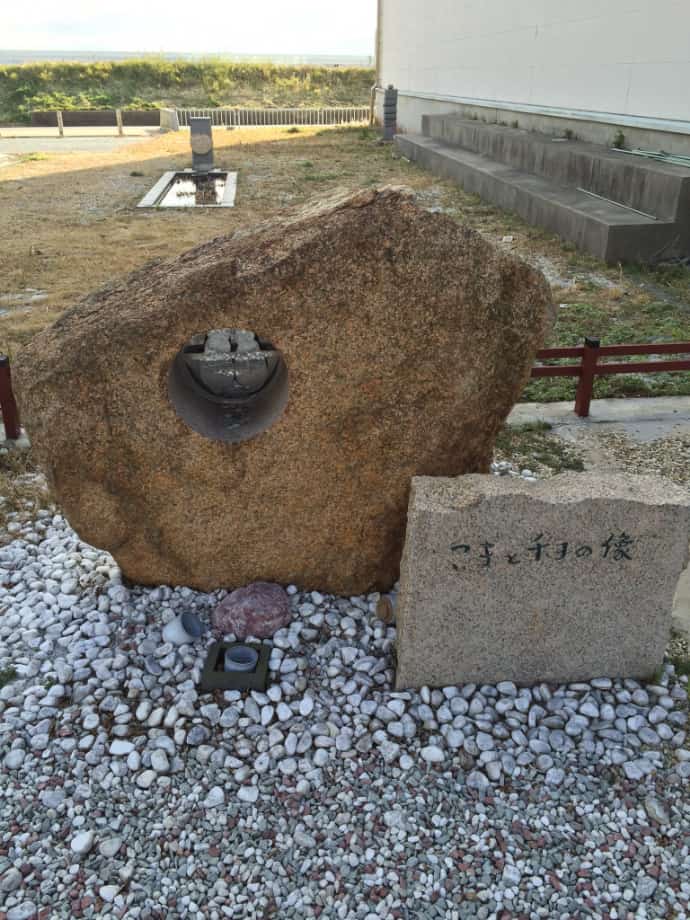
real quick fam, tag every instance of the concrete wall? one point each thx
(169, 120)
(556, 57)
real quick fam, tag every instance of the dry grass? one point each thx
(146, 82)
(69, 223)
(22, 488)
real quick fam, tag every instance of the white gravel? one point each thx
(126, 794)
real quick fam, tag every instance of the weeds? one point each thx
(681, 664)
(621, 321)
(368, 134)
(322, 177)
(150, 82)
(21, 485)
(7, 675)
(533, 445)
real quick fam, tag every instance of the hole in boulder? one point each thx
(228, 384)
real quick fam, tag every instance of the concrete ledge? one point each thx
(596, 127)
(659, 189)
(617, 119)
(604, 411)
(169, 120)
(607, 230)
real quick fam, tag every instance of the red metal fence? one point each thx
(589, 368)
(8, 404)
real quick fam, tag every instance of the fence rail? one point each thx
(589, 368)
(231, 118)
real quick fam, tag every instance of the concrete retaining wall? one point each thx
(96, 118)
(169, 120)
(412, 108)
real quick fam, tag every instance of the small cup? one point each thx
(240, 658)
(183, 630)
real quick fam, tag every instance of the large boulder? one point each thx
(390, 343)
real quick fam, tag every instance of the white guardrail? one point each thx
(345, 115)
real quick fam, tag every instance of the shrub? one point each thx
(150, 82)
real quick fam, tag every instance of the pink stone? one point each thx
(259, 609)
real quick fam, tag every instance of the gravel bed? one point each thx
(126, 794)
(669, 456)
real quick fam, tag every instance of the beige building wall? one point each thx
(628, 58)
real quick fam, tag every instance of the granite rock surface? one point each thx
(407, 338)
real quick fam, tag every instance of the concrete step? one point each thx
(656, 188)
(609, 231)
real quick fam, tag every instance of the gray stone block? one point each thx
(567, 579)
(201, 136)
(543, 183)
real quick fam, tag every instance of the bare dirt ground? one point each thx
(69, 222)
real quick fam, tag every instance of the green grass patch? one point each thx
(625, 322)
(670, 278)
(32, 157)
(151, 82)
(681, 664)
(323, 177)
(532, 445)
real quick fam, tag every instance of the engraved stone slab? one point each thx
(201, 138)
(567, 579)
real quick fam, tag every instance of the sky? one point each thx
(207, 27)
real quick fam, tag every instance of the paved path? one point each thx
(641, 419)
(18, 141)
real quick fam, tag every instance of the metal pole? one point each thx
(583, 397)
(379, 43)
(8, 404)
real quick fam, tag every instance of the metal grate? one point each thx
(348, 115)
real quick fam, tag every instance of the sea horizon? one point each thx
(29, 56)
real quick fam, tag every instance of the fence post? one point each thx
(118, 121)
(10, 415)
(583, 397)
(61, 126)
